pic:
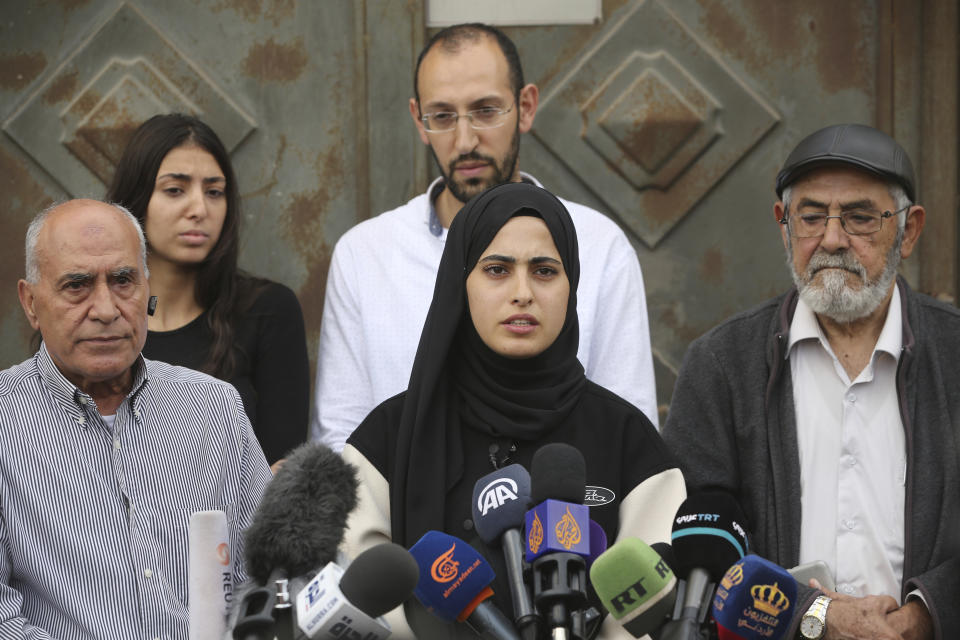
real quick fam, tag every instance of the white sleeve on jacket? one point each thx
(612, 305)
(369, 525)
(647, 513)
(621, 358)
(341, 396)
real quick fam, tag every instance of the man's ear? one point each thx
(778, 213)
(916, 217)
(25, 293)
(527, 105)
(415, 114)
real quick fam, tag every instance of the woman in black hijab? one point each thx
(496, 377)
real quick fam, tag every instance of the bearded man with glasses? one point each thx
(831, 412)
(470, 107)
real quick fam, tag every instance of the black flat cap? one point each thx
(852, 144)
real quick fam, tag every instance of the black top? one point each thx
(456, 378)
(463, 398)
(272, 375)
(620, 446)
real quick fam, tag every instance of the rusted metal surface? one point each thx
(643, 111)
(276, 62)
(280, 81)
(812, 63)
(938, 161)
(311, 99)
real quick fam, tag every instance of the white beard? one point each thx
(831, 296)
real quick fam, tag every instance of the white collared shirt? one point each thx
(852, 457)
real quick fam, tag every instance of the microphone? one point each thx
(210, 574)
(598, 543)
(500, 500)
(349, 603)
(558, 537)
(296, 530)
(708, 536)
(636, 586)
(754, 601)
(455, 585)
(666, 554)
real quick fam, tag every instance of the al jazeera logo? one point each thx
(731, 578)
(567, 531)
(445, 569)
(535, 536)
(768, 603)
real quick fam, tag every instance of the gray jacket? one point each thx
(732, 425)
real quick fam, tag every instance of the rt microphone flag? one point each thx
(635, 584)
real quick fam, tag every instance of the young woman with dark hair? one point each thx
(175, 176)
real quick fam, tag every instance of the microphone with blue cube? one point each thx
(558, 537)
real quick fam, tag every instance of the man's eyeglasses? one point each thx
(857, 222)
(482, 118)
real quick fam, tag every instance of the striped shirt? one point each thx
(94, 518)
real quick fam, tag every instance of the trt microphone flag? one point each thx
(452, 575)
(209, 575)
(754, 601)
(555, 526)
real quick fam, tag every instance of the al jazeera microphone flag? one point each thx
(452, 574)
(557, 526)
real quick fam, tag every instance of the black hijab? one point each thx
(457, 379)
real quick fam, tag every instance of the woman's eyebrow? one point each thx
(493, 257)
(543, 259)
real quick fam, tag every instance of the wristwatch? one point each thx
(814, 621)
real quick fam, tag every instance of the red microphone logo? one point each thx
(223, 553)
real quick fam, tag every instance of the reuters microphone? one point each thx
(636, 586)
(500, 500)
(754, 601)
(210, 575)
(351, 603)
(455, 585)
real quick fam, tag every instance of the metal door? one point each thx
(672, 116)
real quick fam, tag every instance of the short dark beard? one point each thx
(502, 171)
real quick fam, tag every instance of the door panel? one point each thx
(672, 116)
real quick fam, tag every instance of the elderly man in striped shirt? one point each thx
(104, 455)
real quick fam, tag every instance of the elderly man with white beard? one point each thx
(831, 412)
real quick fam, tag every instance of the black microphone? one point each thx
(708, 536)
(500, 500)
(558, 538)
(339, 603)
(297, 529)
